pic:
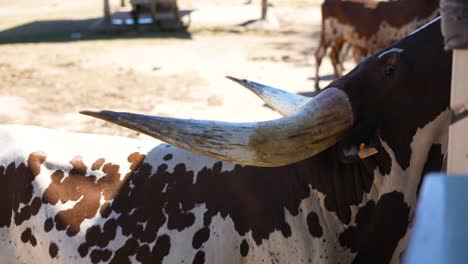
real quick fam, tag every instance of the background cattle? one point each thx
(70, 197)
(367, 26)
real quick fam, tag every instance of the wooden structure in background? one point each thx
(107, 15)
(163, 13)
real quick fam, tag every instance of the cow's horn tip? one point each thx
(234, 79)
(90, 112)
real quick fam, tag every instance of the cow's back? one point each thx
(31, 161)
(78, 198)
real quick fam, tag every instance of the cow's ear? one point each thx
(389, 70)
(390, 64)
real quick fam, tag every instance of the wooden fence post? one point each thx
(458, 134)
(107, 18)
(264, 9)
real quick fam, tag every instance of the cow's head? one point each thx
(398, 90)
(391, 94)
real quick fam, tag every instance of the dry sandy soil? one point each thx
(47, 77)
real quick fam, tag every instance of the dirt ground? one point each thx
(46, 78)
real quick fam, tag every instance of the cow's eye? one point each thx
(389, 69)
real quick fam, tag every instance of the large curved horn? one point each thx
(316, 126)
(283, 102)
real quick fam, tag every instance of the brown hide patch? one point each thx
(99, 255)
(434, 162)
(244, 248)
(342, 184)
(97, 237)
(129, 249)
(16, 188)
(157, 254)
(98, 164)
(35, 161)
(200, 237)
(378, 229)
(199, 258)
(48, 224)
(84, 189)
(28, 210)
(167, 157)
(53, 250)
(314, 225)
(27, 236)
(135, 160)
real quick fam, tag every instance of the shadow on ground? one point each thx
(73, 30)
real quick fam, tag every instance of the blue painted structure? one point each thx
(440, 234)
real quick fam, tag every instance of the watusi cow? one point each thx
(367, 26)
(309, 191)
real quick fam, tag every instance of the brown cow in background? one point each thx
(367, 26)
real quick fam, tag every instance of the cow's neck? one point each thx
(347, 202)
(396, 191)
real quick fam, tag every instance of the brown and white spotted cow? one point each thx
(302, 195)
(367, 26)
